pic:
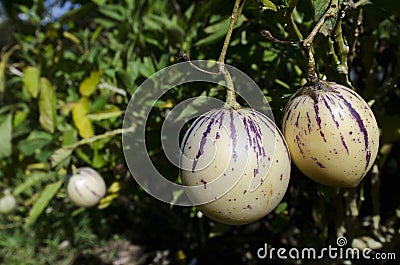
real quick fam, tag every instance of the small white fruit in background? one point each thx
(7, 202)
(86, 188)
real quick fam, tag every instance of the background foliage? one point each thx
(67, 71)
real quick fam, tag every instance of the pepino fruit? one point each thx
(331, 132)
(239, 161)
(7, 202)
(86, 188)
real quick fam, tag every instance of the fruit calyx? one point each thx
(315, 88)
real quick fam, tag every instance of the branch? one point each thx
(104, 85)
(230, 89)
(331, 11)
(98, 137)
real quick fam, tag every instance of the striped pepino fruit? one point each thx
(239, 160)
(331, 132)
(86, 187)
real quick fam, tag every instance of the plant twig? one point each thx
(99, 137)
(237, 10)
(104, 85)
(330, 12)
(184, 57)
(230, 92)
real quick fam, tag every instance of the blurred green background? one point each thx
(67, 71)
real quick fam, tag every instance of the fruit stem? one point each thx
(230, 92)
(332, 11)
(312, 76)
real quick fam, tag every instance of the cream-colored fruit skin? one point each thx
(7, 203)
(86, 188)
(337, 166)
(247, 201)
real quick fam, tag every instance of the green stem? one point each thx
(289, 19)
(98, 137)
(332, 11)
(332, 52)
(230, 92)
(343, 48)
(237, 10)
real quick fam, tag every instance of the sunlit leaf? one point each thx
(31, 80)
(268, 5)
(105, 114)
(59, 156)
(71, 37)
(6, 136)
(47, 106)
(88, 86)
(42, 202)
(281, 208)
(82, 123)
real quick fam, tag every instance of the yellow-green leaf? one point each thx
(71, 37)
(31, 80)
(82, 123)
(47, 106)
(88, 86)
(109, 113)
(268, 5)
(41, 203)
(3, 63)
(6, 136)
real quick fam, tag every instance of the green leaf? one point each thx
(20, 115)
(31, 80)
(69, 136)
(218, 30)
(105, 114)
(47, 106)
(88, 86)
(98, 160)
(115, 12)
(35, 141)
(3, 64)
(281, 208)
(60, 155)
(6, 136)
(99, 2)
(268, 5)
(146, 67)
(320, 6)
(33, 179)
(82, 123)
(44, 199)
